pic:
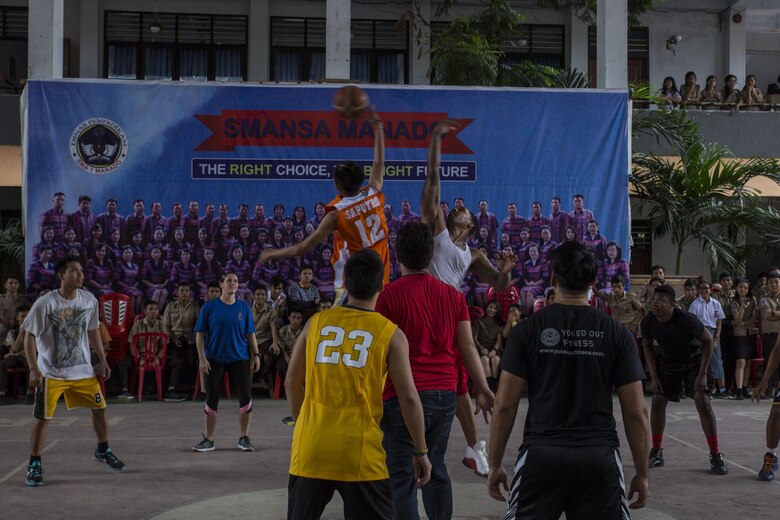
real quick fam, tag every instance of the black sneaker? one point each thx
(718, 464)
(745, 393)
(244, 444)
(204, 445)
(173, 397)
(656, 457)
(288, 421)
(109, 458)
(35, 474)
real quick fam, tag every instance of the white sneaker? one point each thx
(476, 459)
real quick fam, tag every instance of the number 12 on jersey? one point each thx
(375, 232)
(331, 348)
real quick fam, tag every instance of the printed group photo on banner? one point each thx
(156, 185)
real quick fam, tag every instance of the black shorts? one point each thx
(544, 485)
(307, 498)
(678, 377)
(744, 347)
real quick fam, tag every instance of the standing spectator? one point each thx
(670, 93)
(208, 221)
(744, 311)
(110, 219)
(9, 301)
(487, 219)
(319, 214)
(266, 331)
(59, 331)
(760, 289)
(303, 295)
(407, 215)
(624, 306)
(55, 217)
(280, 358)
(566, 393)
(82, 220)
(512, 225)
(239, 220)
(258, 221)
(488, 339)
(435, 319)
(656, 271)
(684, 349)
(174, 222)
(299, 217)
(225, 338)
(154, 221)
(178, 323)
(769, 307)
(594, 241)
(710, 313)
(393, 223)
(41, 275)
(579, 217)
(135, 356)
(278, 219)
(690, 293)
(459, 203)
(355, 466)
(136, 222)
(613, 264)
(536, 222)
(725, 296)
(191, 222)
(154, 277)
(559, 221)
(690, 91)
(765, 388)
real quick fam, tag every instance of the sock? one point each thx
(35, 458)
(658, 440)
(713, 444)
(102, 447)
(773, 451)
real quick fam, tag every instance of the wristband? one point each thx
(419, 453)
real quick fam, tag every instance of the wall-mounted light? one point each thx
(671, 41)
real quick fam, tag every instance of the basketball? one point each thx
(350, 101)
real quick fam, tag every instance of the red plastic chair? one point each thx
(116, 311)
(758, 360)
(475, 312)
(225, 380)
(149, 361)
(539, 304)
(277, 387)
(510, 296)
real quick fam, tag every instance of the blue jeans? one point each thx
(715, 368)
(439, 410)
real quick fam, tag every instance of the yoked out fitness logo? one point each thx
(98, 146)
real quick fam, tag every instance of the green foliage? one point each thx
(530, 74)
(11, 249)
(463, 56)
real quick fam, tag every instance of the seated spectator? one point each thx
(325, 304)
(670, 93)
(514, 316)
(710, 94)
(137, 246)
(750, 95)
(94, 241)
(280, 356)
(324, 274)
(521, 250)
(536, 276)
(182, 271)
(773, 94)
(12, 353)
(243, 271)
(127, 276)
(303, 296)
(47, 240)
(570, 234)
(612, 265)
(158, 240)
(10, 300)
(624, 306)
(547, 245)
(113, 247)
(266, 332)
(690, 91)
(223, 243)
(176, 246)
(207, 271)
(731, 93)
(178, 323)
(154, 277)
(41, 275)
(149, 323)
(69, 242)
(489, 340)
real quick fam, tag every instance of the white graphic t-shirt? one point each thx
(60, 328)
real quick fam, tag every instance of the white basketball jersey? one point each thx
(450, 263)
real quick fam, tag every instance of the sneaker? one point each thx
(35, 474)
(718, 464)
(767, 473)
(728, 395)
(717, 394)
(204, 445)
(288, 421)
(126, 396)
(476, 459)
(109, 458)
(656, 457)
(29, 399)
(173, 397)
(745, 393)
(244, 444)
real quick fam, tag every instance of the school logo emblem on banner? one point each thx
(98, 146)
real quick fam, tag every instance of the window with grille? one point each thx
(379, 50)
(13, 23)
(187, 47)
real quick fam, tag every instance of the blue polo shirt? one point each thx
(226, 328)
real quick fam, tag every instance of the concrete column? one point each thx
(735, 48)
(259, 52)
(612, 44)
(45, 32)
(89, 39)
(419, 67)
(577, 50)
(337, 39)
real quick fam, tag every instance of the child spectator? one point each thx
(280, 356)
(149, 323)
(12, 353)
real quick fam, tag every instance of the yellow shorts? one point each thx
(81, 393)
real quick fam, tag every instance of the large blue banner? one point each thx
(249, 144)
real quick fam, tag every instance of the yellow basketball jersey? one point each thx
(337, 434)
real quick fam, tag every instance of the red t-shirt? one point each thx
(428, 312)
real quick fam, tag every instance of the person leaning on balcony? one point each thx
(751, 95)
(710, 93)
(690, 91)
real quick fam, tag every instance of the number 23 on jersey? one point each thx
(332, 349)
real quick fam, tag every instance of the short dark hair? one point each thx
(185, 284)
(84, 198)
(276, 280)
(348, 177)
(21, 308)
(691, 282)
(724, 274)
(772, 274)
(364, 273)
(147, 303)
(618, 278)
(414, 246)
(213, 284)
(574, 266)
(59, 194)
(666, 290)
(62, 265)
(657, 266)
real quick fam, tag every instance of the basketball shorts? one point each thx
(678, 377)
(307, 498)
(80, 393)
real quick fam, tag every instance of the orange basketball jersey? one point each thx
(361, 224)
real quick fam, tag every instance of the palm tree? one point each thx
(11, 249)
(704, 198)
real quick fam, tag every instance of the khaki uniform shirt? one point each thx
(287, 339)
(745, 326)
(144, 326)
(766, 306)
(683, 304)
(264, 319)
(179, 320)
(625, 308)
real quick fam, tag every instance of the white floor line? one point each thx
(697, 448)
(24, 464)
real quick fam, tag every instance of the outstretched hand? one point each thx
(506, 262)
(441, 128)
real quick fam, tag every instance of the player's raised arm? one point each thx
(378, 168)
(432, 214)
(326, 227)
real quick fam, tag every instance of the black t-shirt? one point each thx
(571, 356)
(677, 339)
